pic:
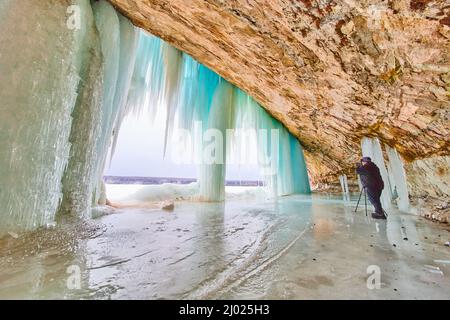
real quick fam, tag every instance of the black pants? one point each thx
(374, 197)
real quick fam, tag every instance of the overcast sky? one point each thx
(139, 152)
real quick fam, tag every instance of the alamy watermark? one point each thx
(73, 281)
(374, 279)
(231, 146)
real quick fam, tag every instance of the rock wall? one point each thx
(331, 71)
(429, 187)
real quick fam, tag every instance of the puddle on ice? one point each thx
(299, 247)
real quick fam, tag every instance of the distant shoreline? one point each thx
(162, 180)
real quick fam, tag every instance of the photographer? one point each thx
(372, 183)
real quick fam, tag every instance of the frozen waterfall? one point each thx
(191, 94)
(108, 63)
(40, 66)
(64, 98)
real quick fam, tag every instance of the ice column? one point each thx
(213, 167)
(39, 76)
(80, 176)
(117, 38)
(129, 39)
(280, 155)
(398, 178)
(108, 27)
(371, 148)
(344, 185)
(108, 64)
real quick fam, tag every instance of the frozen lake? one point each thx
(299, 247)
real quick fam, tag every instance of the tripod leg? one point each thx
(365, 199)
(357, 204)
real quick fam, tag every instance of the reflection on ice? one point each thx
(295, 247)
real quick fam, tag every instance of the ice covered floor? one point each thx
(300, 247)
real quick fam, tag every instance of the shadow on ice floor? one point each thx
(299, 247)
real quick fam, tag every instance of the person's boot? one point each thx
(377, 215)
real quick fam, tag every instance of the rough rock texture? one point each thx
(331, 71)
(429, 187)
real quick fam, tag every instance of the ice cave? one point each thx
(311, 94)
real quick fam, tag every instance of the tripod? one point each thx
(365, 199)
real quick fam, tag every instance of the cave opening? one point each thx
(139, 159)
(199, 119)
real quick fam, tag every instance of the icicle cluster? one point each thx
(108, 65)
(397, 178)
(192, 94)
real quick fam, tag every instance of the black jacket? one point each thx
(370, 176)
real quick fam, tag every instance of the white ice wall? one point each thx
(118, 40)
(60, 99)
(80, 176)
(398, 178)
(39, 75)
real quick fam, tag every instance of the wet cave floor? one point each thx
(298, 247)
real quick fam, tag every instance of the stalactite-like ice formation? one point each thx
(344, 185)
(193, 94)
(108, 64)
(80, 176)
(371, 147)
(398, 178)
(280, 155)
(129, 38)
(118, 43)
(394, 177)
